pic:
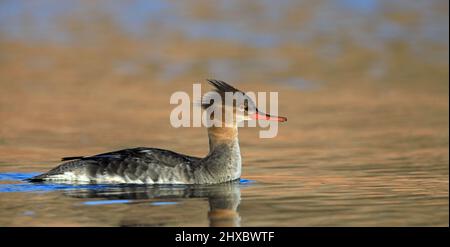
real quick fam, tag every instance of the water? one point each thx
(338, 189)
(364, 85)
(371, 165)
(222, 200)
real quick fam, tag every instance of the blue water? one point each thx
(25, 186)
(106, 202)
(363, 23)
(38, 21)
(163, 203)
(17, 176)
(107, 194)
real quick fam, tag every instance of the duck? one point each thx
(144, 165)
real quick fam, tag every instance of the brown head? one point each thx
(233, 105)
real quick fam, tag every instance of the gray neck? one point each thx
(223, 162)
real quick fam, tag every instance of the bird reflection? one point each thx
(223, 198)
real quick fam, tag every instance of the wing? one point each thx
(131, 163)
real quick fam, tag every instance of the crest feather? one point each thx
(221, 88)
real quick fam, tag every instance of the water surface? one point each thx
(364, 85)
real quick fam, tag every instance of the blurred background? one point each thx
(60, 56)
(364, 84)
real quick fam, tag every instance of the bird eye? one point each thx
(242, 108)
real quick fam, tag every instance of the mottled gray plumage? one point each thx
(150, 166)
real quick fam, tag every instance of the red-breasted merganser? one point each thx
(157, 166)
